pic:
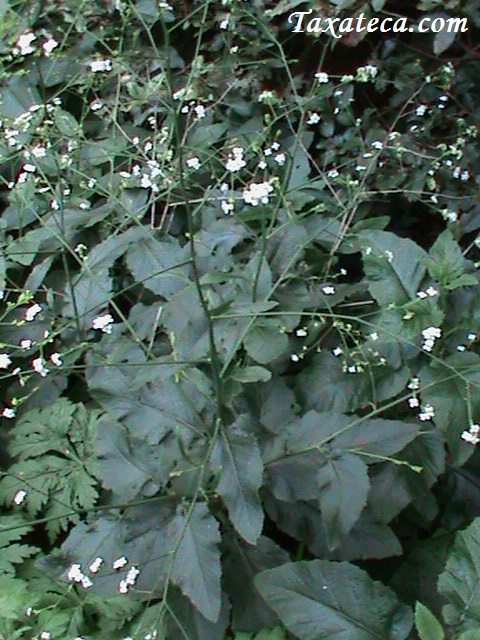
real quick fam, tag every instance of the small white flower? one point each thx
(280, 159)
(294, 357)
(313, 118)
(32, 311)
(19, 497)
(38, 365)
(45, 635)
(337, 351)
(224, 23)
(333, 173)
(373, 336)
(301, 333)
(322, 77)
(5, 361)
(49, 45)
(193, 163)
(100, 65)
(96, 105)
(24, 43)
(413, 402)
(461, 347)
(119, 563)
(465, 176)
(414, 384)
(471, 336)
(262, 165)
(235, 160)
(95, 565)
(470, 437)
(421, 110)
(257, 192)
(352, 368)
(132, 575)
(86, 582)
(8, 412)
(56, 359)
(123, 586)
(103, 323)
(377, 145)
(328, 290)
(427, 413)
(200, 111)
(74, 573)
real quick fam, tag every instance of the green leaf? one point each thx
(460, 581)
(66, 123)
(428, 627)
(55, 462)
(265, 342)
(473, 634)
(161, 266)
(242, 562)
(443, 40)
(323, 599)
(394, 267)
(343, 485)
(252, 374)
(194, 535)
(12, 528)
(236, 458)
(14, 597)
(446, 263)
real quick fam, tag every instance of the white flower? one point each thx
(413, 402)
(313, 118)
(38, 365)
(431, 291)
(95, 565)
(224, 23)
(131, 576)
(200, 111)
(56, 359)
(366, 73)
(427, 413)
(119, 563)
(24, 43)
(301, 333)
(280, 158)
(8, 412)
(74, 573)
(32, 311)
(257, 192)
(377, 145)
(431, 332)
(328, 290)
(295, 358)
(100, 64)
(322, 77)
(373, 336)
(414, 384)
(193, 163)
(45, 635)
(421, 110)
(337, 351)
(103, 323)
(471, 435)
(471, 336)
(262, 165)
(49, 46)
(235, 160)
(19, 497)
(86, 582)
(96, 105)
(332, 173)
(4, 360)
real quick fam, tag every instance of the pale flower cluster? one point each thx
(257, 192)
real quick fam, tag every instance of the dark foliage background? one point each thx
(239, 322)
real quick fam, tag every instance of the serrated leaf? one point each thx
(343, 491)
(194, 534)
(265, 342)
(446, 263)
(329, 600)
(460, 581)
(394, 267)
(236, 458)
(428, 627)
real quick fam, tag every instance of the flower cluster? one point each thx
(257, 192)
(430, 335)
(472, 434)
